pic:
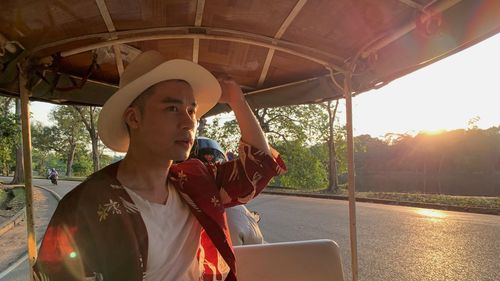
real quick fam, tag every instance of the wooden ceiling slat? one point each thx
(171, 49)
(103, 9)
(285, 69)
(33, 23)
(348, 25)
(255, 16)
(412, 4)
(111, 28)
(133, 14)
(240, 61)
(200, 8)
(300, 4)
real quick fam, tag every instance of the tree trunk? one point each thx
(202, 127)
(19, 171)
(95, 151)
(95, 140)
(425, 175)
(69, 162)
(440, 167)
(333, 184)
(91, 129)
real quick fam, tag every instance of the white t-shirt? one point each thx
(173, 236)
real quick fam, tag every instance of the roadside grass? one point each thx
(3, 197)
(461, 201)
(449, 200)
(11, 203)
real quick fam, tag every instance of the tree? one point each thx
(88, 115)
(333, 183)
(306, 169)
(45, 144)
(9, 138)
(69, 132)
(299, 132)
(303, 123)
(19, 171)
(227, 133)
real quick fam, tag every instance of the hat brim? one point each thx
(111, 125)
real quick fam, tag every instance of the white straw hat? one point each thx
(148, 69)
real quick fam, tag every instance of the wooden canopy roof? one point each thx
(282, 52)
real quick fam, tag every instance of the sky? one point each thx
(445, 95)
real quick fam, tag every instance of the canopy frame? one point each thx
(335, 65)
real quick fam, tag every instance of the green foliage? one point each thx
(226, 133)
(306, 166)
(307, 124)
(300, 133)
(463, 201)
(83, 164)
(105, 160)
(9, 138)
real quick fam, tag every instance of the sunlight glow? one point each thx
(431, 213)
(447, 95)
(433, 132)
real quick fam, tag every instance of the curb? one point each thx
(21, 214)
(24, 256)
(15, 219)
(477, 210)
(12, 221)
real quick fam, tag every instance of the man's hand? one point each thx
(231, 92)
(251, 132)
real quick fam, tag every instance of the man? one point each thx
(145, 218)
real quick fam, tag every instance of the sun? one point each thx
(433, 132)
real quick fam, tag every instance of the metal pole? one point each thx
(26, 133)
(351, 182)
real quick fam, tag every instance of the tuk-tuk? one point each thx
(282, 52)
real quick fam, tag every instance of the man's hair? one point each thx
(140, 101)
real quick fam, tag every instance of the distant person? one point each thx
(144, 217)
(207, 156)
(53, 175)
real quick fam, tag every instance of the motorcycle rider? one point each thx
(53, 175)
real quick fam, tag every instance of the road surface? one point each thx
(394, 243)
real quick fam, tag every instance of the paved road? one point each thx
(20, 273)
(394, 243)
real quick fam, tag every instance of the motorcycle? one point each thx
(53, 178)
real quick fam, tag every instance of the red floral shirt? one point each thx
(97, 233)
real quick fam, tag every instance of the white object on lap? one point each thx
(313, 260)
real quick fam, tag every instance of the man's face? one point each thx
(166, 125)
